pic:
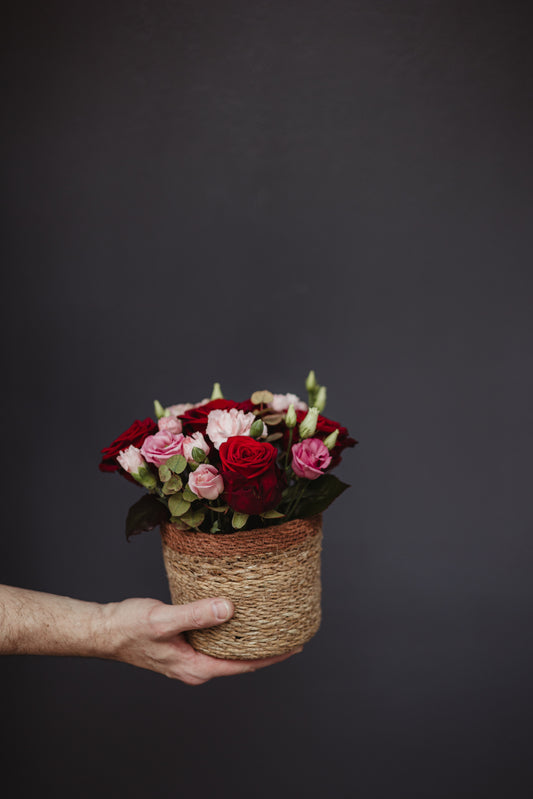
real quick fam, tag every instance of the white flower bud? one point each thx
(290, 418)
(308, 425)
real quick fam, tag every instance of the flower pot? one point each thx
(271, 574)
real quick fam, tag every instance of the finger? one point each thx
(216, 667)
(173, 619)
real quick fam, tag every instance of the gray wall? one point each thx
(242, 191)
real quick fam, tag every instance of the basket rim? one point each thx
(273, 538)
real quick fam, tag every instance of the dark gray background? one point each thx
(242, 191)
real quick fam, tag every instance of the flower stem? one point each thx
(297, 498)
(291, 431)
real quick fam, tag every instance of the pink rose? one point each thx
(170, 423)
(206, 482)
(222, 425)
(131, 460)
(310, 458)
(190, 442)
(281, 402)
(159, 448)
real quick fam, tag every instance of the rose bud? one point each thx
(308, 425)
(206, 482)
(195, 442)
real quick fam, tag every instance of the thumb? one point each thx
(199, 614)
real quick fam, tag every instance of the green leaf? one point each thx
(219, 508)
(188, 495)
(198, 454)
(239, 520)
(172, 485)
(324, 490)
(215, 527)
(272, 514)
(144, 515)
(177, 522)
(177, 505)
(274, 437)
(176, 463)
(272, 419)
(164, 472)
(194, 518)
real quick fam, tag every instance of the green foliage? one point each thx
(148, 512)
(172, 485)
(176, 464)
(325, 489)
(239, 520)
(177, 505)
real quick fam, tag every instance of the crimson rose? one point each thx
(324, 427)
(252, 481)
(134, 435)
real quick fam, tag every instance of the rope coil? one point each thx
(271, 574)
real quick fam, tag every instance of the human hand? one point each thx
(150, 634)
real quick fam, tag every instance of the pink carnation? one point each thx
(310, 458)
(281, 402)
(206, 482)
(196, 440)
(131, 460)
(170, 423)
(222, 425)
(159, 448)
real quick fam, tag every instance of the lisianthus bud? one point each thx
(320, 399)
(308, 425)
(331, 440)
(159, 410)
(217, 392)
(290, 417)
(310, 383)
(257, 428)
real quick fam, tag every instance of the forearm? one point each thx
(35, 623)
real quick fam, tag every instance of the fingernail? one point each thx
(221, 609)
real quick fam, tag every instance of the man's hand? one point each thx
(149, 634)
(144, 632)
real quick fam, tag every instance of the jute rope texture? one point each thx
(272, 575)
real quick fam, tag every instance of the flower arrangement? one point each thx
(219, 466)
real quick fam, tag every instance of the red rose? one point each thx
(195, 419)
(324, 427)
(252, 481)
(134, 435)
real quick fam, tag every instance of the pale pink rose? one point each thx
(222, 425)
(159, 448)
(131, 460)
(196, 440)
(178, 410)
(310, 458)
(206, 482)
(170, 423)
(281, 402)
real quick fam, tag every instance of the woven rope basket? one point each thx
(271, 574)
